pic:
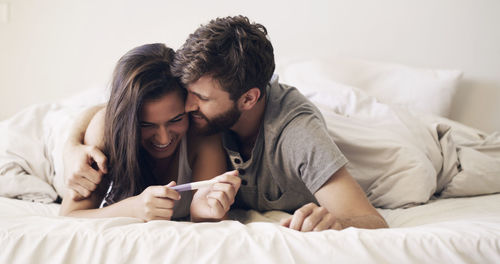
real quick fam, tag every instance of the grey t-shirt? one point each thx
(293, 155)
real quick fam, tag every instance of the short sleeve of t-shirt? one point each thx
(306, 146)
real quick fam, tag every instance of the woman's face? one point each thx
(163, 123)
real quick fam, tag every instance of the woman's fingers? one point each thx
(162, 214)
(227, 189)
(216, 208)
(165, 192)
(230, 177)
(221, 198)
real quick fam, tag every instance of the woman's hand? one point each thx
(213, 203)
(155, 203)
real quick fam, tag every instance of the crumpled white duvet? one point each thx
(461, 230)
(31, 144)
(400, 157)
(28, 143)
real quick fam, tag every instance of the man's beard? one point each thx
(219, 123)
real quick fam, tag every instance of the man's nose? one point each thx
(191, 103)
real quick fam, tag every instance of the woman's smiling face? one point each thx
(163, 123)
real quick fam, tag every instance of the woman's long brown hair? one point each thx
(141, 74)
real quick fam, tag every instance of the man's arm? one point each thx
(342, 204)
(78, 159)
(350, 206)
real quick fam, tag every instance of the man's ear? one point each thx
(249, 99)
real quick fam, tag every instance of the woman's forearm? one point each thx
(123, 208)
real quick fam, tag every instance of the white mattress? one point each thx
(455, 230)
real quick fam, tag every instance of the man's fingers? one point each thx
(86, 171)
(300, 215)
(79, 190)
(314, 218)
(99, 158)
(87, 184)
(325, 223)
(286, 221)
(73, 195)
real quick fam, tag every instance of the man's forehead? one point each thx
(205, 85)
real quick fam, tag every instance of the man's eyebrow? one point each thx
(198, 95)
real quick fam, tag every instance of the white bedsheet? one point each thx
(462, 230)
(454, 230)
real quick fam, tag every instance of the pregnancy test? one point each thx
(193, 185)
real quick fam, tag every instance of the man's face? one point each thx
(210, 108)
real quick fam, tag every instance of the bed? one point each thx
(453, 230)
(435, 181)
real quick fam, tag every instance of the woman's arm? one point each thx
(154, 203)
(212, 203)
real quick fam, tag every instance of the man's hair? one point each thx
(233, 51)
(141, 74)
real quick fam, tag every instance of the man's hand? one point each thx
(155, 203)
(84, 167)
(311, 217)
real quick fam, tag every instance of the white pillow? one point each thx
(430, 91)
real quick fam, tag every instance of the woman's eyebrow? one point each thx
(177, 116)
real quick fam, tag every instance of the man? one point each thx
(272, 134)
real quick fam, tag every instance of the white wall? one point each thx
(50, 49)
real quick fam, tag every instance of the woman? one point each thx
(144, 133)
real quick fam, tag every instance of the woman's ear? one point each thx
(249, 99)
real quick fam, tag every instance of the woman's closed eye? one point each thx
(145, 124)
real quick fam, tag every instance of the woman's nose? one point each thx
(162, 135)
